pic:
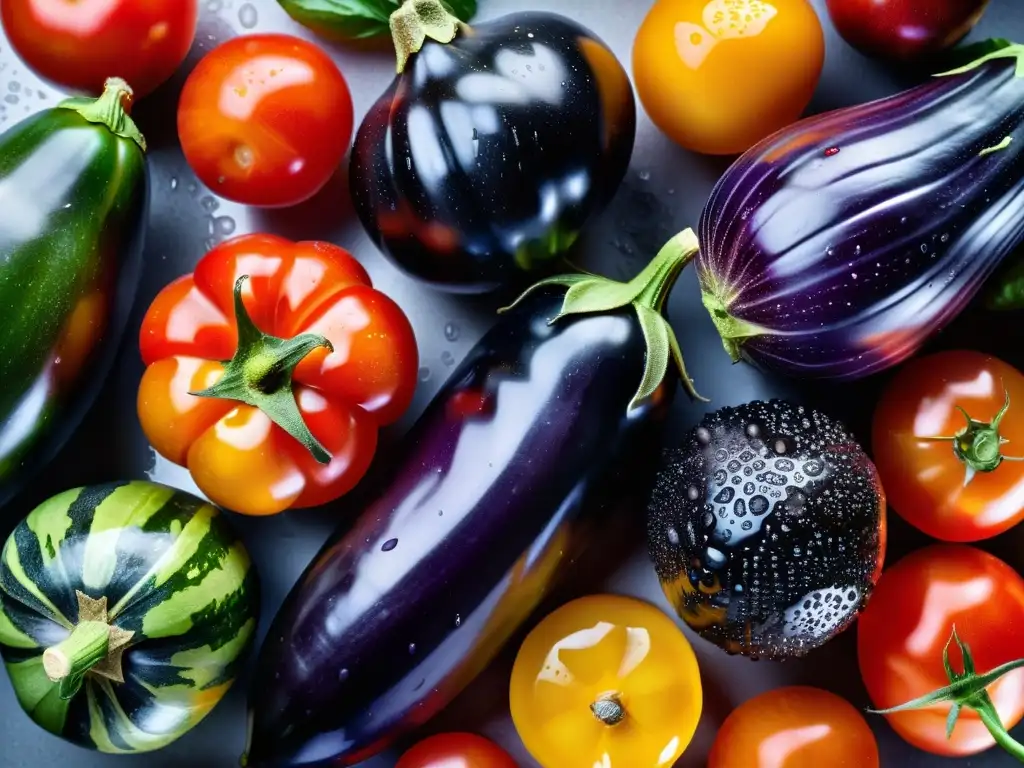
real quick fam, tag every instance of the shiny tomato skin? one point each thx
(717, 77)
(904, 29)
(794, 727)
(456, 750)
(265, 120)
(923, 479)
(592, 648)
(901, 634)
(78, 44)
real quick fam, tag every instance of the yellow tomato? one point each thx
(718, 76)
(606, 681)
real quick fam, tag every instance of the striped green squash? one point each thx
(125, 610)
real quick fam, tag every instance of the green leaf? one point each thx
(954, 713)
(357, 19)
(656, 361)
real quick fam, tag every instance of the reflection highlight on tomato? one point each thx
(456, 750)
(319, 361)
(265, 119)
(606, 681)
(78, 44)
(717, 76)
(794, 727)
(902, 632)
(947, 437)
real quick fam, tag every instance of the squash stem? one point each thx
(68, 661)
(110, 109)
(608, 709)
(416, 21)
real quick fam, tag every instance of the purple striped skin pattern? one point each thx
(836, 247)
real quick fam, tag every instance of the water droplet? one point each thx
(343, 675)
(10, 98)
(924, 247)
(209, 204)
(831, 151)
(388, 545)
(412, 648)
(451, 332)
(693, 493)
(224, 225)
(447, 358)
(174, 183)
(458, 621)
(703, 436)
(856, 251)
(644, 175)
(191, 187)
(424, 373)
(13, 87)
(903, 219)
(854, 275)
(215, 6)
(671, 191)
(673, 536)
(944, 237)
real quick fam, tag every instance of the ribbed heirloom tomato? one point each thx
(902, 632)
(794, 727)
(318, 361)
(947, 437)
(78, 44)
(265, 119)
(718, 76)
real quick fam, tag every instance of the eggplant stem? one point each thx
(110, 109)
(417, 20)
(1011, 51)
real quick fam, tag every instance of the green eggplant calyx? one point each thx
(646, 294)
(1003, 50)
(260, 375)
(978, 445)
(94, 645)
(733, 330)
(417, 20)
(608, 709)
(110, 109)
(967, 689)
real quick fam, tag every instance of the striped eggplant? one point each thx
(125, 609)
(73, 203)
(836, 247)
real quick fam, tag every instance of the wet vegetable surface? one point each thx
(767, 528)
(485, 158)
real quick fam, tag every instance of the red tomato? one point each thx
(78, 44)
(456, 750)
(265, 120)
(924, 478)
(901, 634)
(794, 727)
(238, 453)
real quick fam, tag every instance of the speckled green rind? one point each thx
(172, 572)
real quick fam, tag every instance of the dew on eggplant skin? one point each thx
(693, 493)
(343, 675)
(248, 16)
(673, 536)
(458, 621)
(924, 247)
(944, 238)
(703, 436)
(412, 649)
(389, 545)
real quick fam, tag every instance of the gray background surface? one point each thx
(663, 193)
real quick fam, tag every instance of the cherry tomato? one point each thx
(456, 750)
(606, 681)
(717, 76)
(265, 119)
(78, 44)
(904, 29)
(924, 478)
(235, 444)
(794, 727)
(901, 634)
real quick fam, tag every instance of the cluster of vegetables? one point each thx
(833, 248)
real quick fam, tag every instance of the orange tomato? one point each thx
(265, 120)
(794, 727)
(606, 681)
(909, 619)
(717, 76)
(239, 456)
(924, 478)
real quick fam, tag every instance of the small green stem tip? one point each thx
(417, 20)
(967, 689)
(110, 109)
(260, 375)
(978, 445)
(67, 662)
(646, 294)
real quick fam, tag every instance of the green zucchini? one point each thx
(125, 611)
(73, 205)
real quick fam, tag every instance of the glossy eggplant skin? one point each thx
(496, 487)
(844, 242)
(485, 158)
(73, 204)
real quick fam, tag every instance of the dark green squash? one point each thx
(125, 610)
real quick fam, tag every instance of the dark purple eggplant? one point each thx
(493, 147)
(553, 418)
(836, 247)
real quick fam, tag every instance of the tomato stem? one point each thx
(978, 444)
(608, 709)
(110, 109)
(260, 375)
(417, 20)
(968, 689)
